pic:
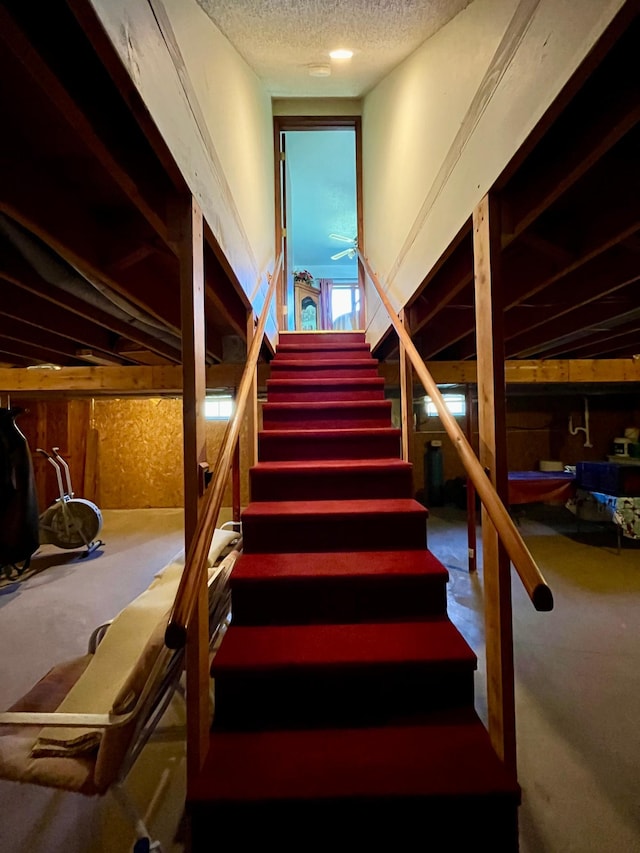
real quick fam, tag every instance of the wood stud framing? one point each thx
(493, 458)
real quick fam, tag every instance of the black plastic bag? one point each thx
(19, 516)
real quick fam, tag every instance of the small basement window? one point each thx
(218, 407)
(456, 403)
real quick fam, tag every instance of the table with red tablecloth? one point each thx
(527, 487)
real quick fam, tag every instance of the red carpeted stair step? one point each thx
(294, 390)
(325, 733)
(436, 786)
(277, 676)
(288, 526)
(354, 414)
(330, 368)
(330, 480)
(317, 338)
(322, 351)
(360, 586)
(275, 445)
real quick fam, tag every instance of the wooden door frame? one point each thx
(286, 123)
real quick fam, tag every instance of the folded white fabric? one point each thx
(117, 655)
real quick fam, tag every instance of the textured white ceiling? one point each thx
(279, 39)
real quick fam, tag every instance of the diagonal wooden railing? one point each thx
(524, 564)
(501, 722)
(196, 562)
(192, 585)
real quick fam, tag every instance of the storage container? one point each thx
(611, 478)
(434, 474)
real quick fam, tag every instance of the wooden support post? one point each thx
(252, 401)
(90, 490)
(472, 549)
(406, 395)
(193, 359)
(191, 256)
(493, 457)
(235, 483)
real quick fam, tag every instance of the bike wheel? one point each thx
(75, 523)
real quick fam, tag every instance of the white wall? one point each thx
(213, 114)
(439, 130)
(317, 106)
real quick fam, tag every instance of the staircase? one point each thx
(344, 699)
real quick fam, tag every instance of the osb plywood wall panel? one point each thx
(140, 453)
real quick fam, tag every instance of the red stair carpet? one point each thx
(344, 706)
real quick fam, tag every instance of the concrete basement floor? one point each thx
(577, 680)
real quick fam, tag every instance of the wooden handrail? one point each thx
(196, 562)
(524, 564)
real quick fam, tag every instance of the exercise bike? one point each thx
(69, 522)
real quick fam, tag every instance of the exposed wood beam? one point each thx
(443, 287)
(133, 352)
(615, 345)
(529, 372)
(214, 348)
(130, 257)
(17, 330)
(189, 227)
(41, 313)
(148, 191)
(527, 273)
(155, 284)
(557, 294)
(603, 209)
(547, 247)
(492, 432)
(578, 140)
(224, 301)
(11, 346)
(252, 411)
(13, 361)
(406, 395)
(15, 270)
(66, 222)
(451, 326)
(152, 381)
(609, 230)
(462, 239)
(553, 341)
(137, 111)
(587, 286)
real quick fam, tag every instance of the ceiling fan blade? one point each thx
(343, 239)
(350, 252)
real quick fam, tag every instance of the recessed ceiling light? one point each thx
(319, 70)
(341, 53)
